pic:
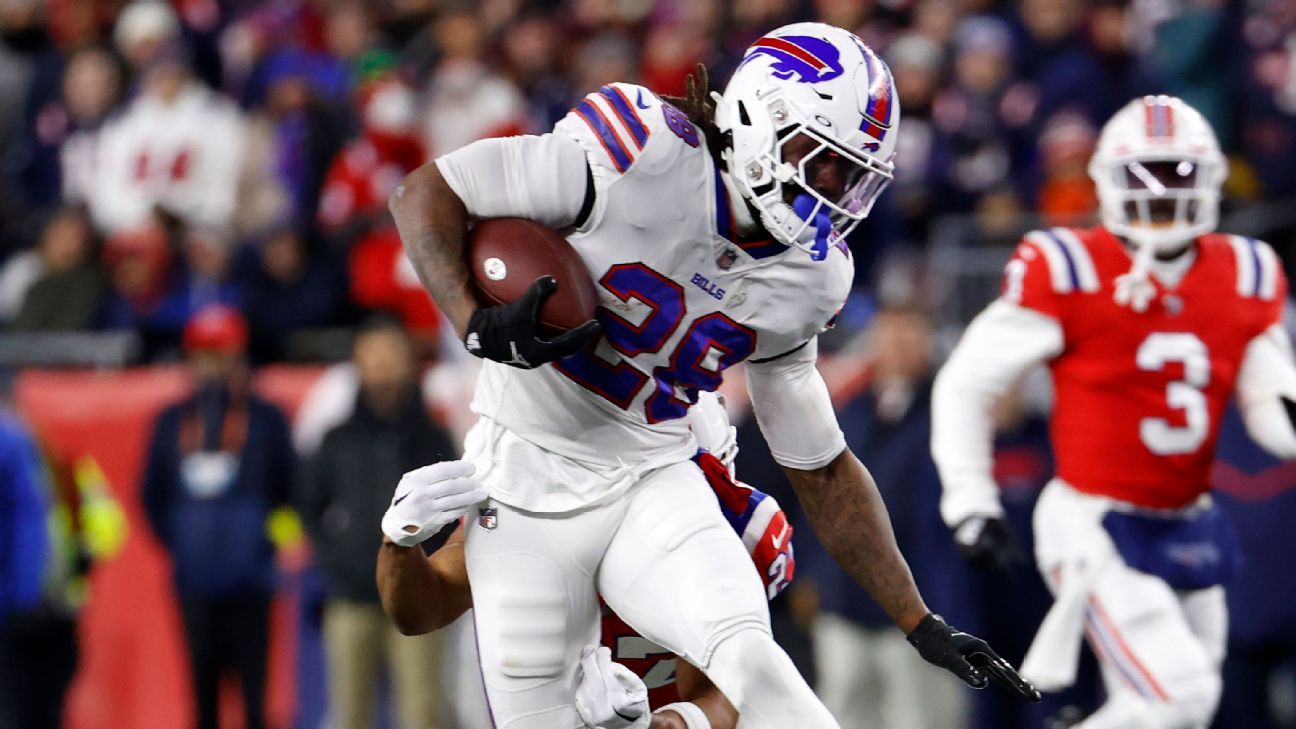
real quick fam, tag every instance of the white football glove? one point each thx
(609, 695)
(428, 498)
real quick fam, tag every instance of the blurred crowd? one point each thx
(212, 175)
(159, 156)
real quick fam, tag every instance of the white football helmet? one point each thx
(819, 81)
(1158, 171)
(709, 422)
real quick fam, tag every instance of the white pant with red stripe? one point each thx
(1160, 649)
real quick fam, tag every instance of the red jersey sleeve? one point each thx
(1027, 281)
(1048, 267)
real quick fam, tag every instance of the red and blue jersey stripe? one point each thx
(625, 111)
(606, 134)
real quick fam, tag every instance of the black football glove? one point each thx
(509, 333)
(987, 542)
(967, 657)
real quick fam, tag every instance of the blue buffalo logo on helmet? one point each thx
(809, 59)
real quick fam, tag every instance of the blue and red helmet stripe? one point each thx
(1158, 116)
(877, 111)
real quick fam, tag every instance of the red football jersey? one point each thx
(765, 532)
(1139, 396)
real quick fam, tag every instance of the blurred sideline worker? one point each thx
(388, 433)
(867, 675)
(628, 682)
(1149, 325)
(220, 462)
(26, 651)
(56, 519)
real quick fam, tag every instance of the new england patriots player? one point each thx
(712, 244)
(628, 681)
(1148, 324)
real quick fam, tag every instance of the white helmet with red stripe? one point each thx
(1158, 171)
(822, 82)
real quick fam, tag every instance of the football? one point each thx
(506, 255)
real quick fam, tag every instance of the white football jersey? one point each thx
(681, 299)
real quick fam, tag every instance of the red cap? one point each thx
(216, 327)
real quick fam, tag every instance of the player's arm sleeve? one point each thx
(544, 178)
(1266, 392)
(793, 410)
(1000, 345)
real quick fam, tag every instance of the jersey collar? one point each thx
(735, 223)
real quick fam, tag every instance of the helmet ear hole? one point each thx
(742, 115)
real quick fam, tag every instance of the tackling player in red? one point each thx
(1149, 325)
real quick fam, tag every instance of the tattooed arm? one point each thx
(433, 223)
(544, 178)
(847, 514)
(796, 416)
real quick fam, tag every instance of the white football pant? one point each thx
(665, 559)
(1160, 649)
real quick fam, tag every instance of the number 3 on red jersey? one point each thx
(1157, 351)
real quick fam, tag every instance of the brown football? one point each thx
(505, 255)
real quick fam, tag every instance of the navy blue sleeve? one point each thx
(161, 470)
(23, 533)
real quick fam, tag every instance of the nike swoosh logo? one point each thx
(631, 719)
(402, 498)
(778, 541)
(639, 101)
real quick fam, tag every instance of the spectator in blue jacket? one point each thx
(24, 550)
(220, 461)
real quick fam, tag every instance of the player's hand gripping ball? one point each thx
(538, 297)
(967, 657)
(609, 695)
(428, 498)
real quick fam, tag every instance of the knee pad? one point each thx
(526, 632)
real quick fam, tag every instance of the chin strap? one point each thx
(804, 224)
(1135, 289)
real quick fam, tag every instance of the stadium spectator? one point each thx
(146, 292)
(220, 461)
(301, 125)
(1066, 194)
(342, 498)
(177, 144)
(464, 100)
(68, 288)
(57, 155)
(867, 675)
(973, 117)
(366, 171)
(208, 262)
(916, 62)
(288, 290)
(25, 553)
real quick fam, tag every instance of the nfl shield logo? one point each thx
(488, 518)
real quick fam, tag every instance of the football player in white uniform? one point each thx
(712, 243)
